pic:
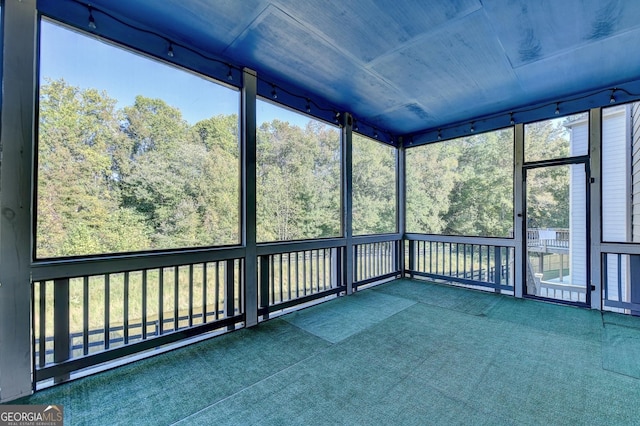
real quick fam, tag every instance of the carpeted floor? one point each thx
(403, 353)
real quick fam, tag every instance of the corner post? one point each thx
(16, 178)
(347, 199)
(519, 232)
(249, 226)
(401, 203)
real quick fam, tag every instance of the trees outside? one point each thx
(465, 186)
(547, 187)
(298, 181)
(131, 179)
(142, 178)
(374, 187)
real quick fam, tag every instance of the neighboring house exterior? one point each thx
(620, 199)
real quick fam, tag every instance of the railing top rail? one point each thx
(378, 238)
(292, 246)
(491, 241)
(71, 268)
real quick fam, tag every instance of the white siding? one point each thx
(616, 197)
(578, 207)
(635, 165)
(615, 173)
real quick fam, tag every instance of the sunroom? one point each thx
(242, 181)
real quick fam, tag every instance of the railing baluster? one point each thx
(229, 293)
(217, 289)
(61, 335)
(473, 250)
(264, 283)
(304, 272)
(297, 264)
(176, 302)
(605, 276)
(190, 319)
(42, 331)
(160, 301)
(125, 313)
(107, 325)
(281, 279)
(488, 263)
(85, 315)
(464, 260)
(620, 298)
(205, 268)
(272, 281)
(289, 276)
(317, 262)
(324, 269)
(144, 304)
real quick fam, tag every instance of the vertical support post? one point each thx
(347, 198)
(401, 203)
(519, 224)
(265, 273)
(594, 212)
(249, 230)
(16, 179)
(61, 342)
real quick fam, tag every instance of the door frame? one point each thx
(581, 159)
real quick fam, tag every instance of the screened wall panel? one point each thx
(374, 187)
(462, 186)
(133, 154)
(298, 176)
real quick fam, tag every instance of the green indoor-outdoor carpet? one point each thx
(346, 316)
(468, 301)
(621, 350)
(168, 387)
(400, 360)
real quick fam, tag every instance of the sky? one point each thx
(86, 62)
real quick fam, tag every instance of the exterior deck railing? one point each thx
(548, 240)
(469, 261)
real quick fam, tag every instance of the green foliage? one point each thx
(431, 175)
(465, 186)
(374, 187)
(142, 178)
(298, 181)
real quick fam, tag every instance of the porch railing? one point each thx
(91, 311)
(290, 274)
(468, 261)
(376, 258)
(83, 320)
(621, 282)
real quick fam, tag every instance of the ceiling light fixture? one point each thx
(92, 21)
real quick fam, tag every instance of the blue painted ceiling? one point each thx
(403, 66)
